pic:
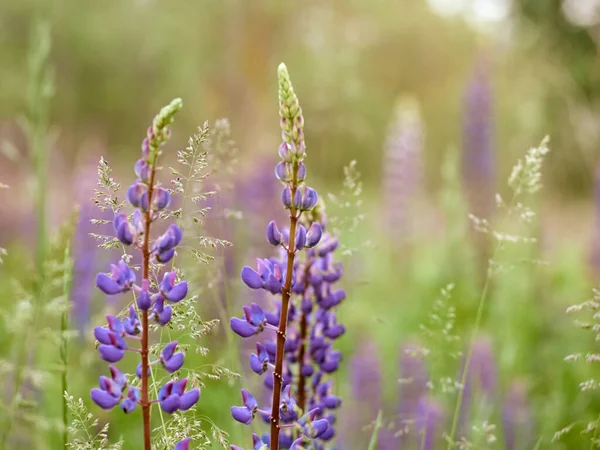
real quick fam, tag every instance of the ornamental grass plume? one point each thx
(158, 288)
(298, 356)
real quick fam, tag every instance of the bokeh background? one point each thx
(435, 100)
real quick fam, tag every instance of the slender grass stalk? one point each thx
(375, 434)
(41, 90)
(64, 344)
(476, 327)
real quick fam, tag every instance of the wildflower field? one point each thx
(320, 225)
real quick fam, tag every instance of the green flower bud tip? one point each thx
(165, 116)
(289, 107)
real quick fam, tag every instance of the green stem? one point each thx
(476, 326)
(64, 347)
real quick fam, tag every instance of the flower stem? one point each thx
(145, 404)
(302, 350)
(285, 300)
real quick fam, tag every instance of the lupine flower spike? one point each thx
(296, 347)
(148, 199)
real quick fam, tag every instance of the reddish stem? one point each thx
(302, 350)
(285, 300)
(144, 402)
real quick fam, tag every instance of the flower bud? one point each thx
(135, 193)
(161, 199)
(286, 197)
(309, 199)
(142, 170)
(274, 236)
(314, 235)
(300, 237)
(301, 172)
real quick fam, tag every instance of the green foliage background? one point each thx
(117, 61)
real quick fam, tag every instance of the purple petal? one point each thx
(110, 354)
(178, 292)
(189, 399)
(174, 363)
(249, 400)
(300, 237)
(274, 236)
(103, 399)
(314, 235)
(310, 199)
(257, 365)
(301, 172)
(281, 171)
(242, 414)
(169, 349)
(316, 428)
(144, 301)
(128, 405)
(183, 445)
(165, 257)
(170, 404)
(124, 233)
(251, 278)
(117, 376)
(107, 285)
(242, 328)
(102, 335)
(286, 197)
(161, 199)
(179, 386)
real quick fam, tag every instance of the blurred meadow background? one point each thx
(435, 101)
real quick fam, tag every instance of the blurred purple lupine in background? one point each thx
(85, 250)
(365, 377)
(478, 155)
(413, 387)
(517, 418)
(481, 384)
(430, 424)
(403, 170)
(254, 193)
(595, 244)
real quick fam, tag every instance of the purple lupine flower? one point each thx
(517, 418)
(413, 387)
(85, 250)
(481, 381)
(429, 422)
(148, 199)
(245, 414)
(170, 360)
(403, 170)
(595, 244)
(365, 380)
(296, 351)
(172, 396)
(183, 445)
(478, 155)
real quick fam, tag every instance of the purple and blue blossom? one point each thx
(148, 199)
(296, 351)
